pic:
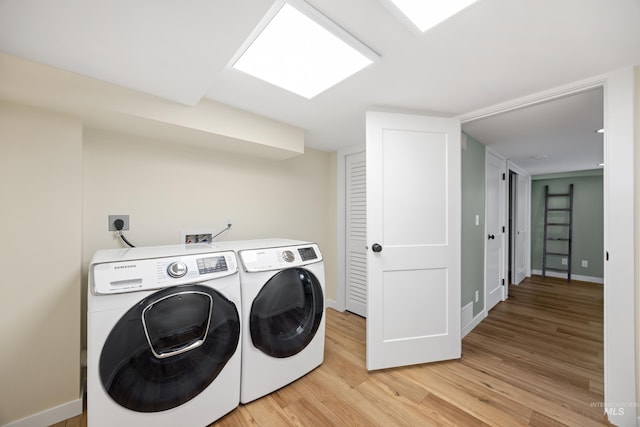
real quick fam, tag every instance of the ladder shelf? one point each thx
(561, 227)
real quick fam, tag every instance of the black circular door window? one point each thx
(286, 313)
(169, 347)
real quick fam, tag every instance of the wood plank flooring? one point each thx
(536, 360)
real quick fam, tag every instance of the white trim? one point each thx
(341, 287)
(537, 98)
(513, 167)
(578, 277)
(466, 314)
(503, 210)
(517, 169)
(619, 270)
(332, 304)
(50, 416)
(475, 322)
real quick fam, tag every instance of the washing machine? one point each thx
(163, 336)
(282, 285)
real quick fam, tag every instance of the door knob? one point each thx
(491, 236)
(376, 247)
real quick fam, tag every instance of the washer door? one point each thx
(286, 313)
(169, 347)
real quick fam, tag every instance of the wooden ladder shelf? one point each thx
(560, 221)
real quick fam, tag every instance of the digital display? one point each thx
(307, 254)
(212, 264)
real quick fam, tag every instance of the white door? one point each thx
(494, 212)
(413, 234)
(356, 233)
(520, 228)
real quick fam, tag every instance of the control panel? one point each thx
(155, 273)
(255, 260)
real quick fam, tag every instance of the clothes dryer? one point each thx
(163, 336)
(282, 284)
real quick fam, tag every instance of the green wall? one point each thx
(473, 161)
(588, 220)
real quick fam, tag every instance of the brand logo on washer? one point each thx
(121, 267)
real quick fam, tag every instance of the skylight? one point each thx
(426, 14)
(298, 49)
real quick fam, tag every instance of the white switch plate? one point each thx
(585, 263)
(477, 296)
(564, 261)
(477, 219)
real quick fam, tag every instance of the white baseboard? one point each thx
(50, 416)
(329, 303)
(474, 322)
(561, 275)
(466, 314)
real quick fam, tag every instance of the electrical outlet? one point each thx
(585, 263)
(229, 221)
(564, 261)
(113, 218)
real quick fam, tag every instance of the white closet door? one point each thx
(356, 233)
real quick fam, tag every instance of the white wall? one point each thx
(637, 228)
(168, 188)
(40, 250)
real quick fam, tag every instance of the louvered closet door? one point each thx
(356, 265)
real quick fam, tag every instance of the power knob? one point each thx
(177, 269)
(288, 256)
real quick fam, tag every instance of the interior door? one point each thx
(413, 234)
(356, 233)
(520, 228)
(494, 247)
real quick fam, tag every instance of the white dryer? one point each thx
(163, 336)
(282, 284)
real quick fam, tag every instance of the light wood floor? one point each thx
(536, 360)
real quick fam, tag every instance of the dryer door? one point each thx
(169, 347)
(286, 313)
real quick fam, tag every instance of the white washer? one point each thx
(282, 284)
(163, 336)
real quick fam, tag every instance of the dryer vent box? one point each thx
(189, 237)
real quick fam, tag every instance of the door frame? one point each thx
(510, 238)
(503, 210)
(620, 398)
(340, 303)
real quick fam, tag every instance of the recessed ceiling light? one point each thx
(601, 164)
(428, 13)
(540, 157)
(297, 48)
(601, 130)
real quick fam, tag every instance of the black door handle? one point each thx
(376, 247)
(491, 236)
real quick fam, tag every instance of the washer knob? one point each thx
(177, 269)
(288, 256)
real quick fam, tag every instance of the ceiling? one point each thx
(549, 137)
(490, 53)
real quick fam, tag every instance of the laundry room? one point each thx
(76, 177)
(153, 111)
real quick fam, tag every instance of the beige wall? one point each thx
(40, 249)
(168, 188)
(58, 184)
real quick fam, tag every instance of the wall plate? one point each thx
(113, 218)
